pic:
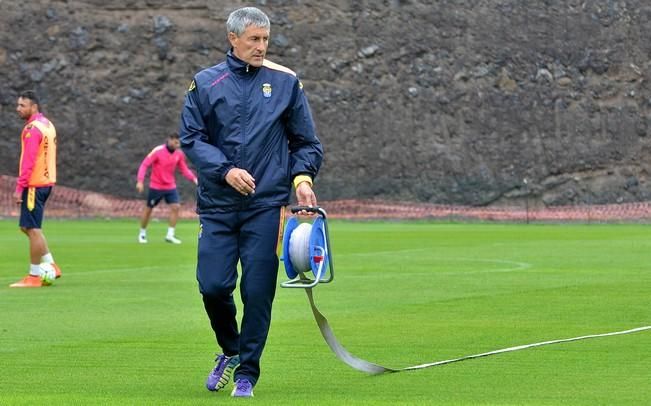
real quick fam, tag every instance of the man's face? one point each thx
(25, 108)
(251, 46)
(174, 143)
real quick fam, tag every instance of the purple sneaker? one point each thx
(221, 374)
(242, 389)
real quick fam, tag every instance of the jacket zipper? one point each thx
(244, 123)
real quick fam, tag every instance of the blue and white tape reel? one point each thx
(306, 249)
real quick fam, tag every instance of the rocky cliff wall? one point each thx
(435, 101)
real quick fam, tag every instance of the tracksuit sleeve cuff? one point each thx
(300, 179)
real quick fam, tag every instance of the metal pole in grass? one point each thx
(526, 199)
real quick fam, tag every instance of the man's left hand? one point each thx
(18, 197)
(305, 195)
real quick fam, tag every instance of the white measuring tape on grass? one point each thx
(371, 368)
(306, 248)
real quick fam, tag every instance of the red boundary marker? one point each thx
(67, 202)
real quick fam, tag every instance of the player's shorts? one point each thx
(155, 196)
(32, 208)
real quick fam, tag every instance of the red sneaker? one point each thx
(29, 281)
(57, 270)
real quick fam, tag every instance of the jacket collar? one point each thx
(237, 65)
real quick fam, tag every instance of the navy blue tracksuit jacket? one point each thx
(256, 119)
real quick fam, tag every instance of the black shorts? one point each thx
(32, 208)
(155, 196)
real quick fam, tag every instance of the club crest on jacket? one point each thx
(266, 90)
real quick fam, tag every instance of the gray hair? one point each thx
(241, 18)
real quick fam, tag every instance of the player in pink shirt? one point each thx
(164, 159)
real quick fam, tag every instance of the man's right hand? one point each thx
(241, 180)
(140, 187)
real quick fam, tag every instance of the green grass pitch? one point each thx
(125, 324)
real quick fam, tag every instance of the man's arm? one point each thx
(31, 144)
(210, 161)
(306, 152)
(142, 171)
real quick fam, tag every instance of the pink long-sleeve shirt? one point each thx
(31, 150)
(163, 166)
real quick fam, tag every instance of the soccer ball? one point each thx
(48, 274)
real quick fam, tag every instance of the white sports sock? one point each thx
(48, 258)
(170, 231)
(35, 270)
(143, 231)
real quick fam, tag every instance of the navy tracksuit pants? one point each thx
(250, 236)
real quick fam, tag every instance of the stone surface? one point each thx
(414, 100)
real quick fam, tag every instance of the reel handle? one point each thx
(315, 210)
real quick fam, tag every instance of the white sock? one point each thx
(35, 270)
(170, 231)
(143, 231)
(48, 258)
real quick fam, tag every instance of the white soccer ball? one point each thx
(48, 274)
